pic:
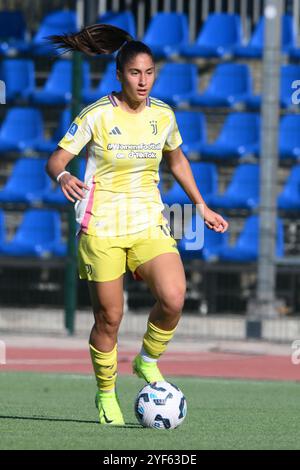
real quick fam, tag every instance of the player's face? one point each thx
(137, 77)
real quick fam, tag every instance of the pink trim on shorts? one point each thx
(88, 212)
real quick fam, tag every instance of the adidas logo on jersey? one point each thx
(115, 131)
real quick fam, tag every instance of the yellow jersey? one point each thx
(124, 151)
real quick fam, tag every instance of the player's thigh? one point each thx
(102, 262)
(107, 299)
(165, 276)
(155, 258)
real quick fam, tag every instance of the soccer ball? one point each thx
(160, 405)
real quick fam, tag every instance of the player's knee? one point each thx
(173, 300)
(108, 319)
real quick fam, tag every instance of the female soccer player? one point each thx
(119, 209)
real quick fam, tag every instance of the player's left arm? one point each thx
(181, 170)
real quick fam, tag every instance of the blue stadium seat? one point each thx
(54, 195)
(219, 35)
(2, 228)
(254, 49)
(48, 146)
(176, 83)
(124, 20)
(247, 245)
(58, 22)
(289, 73)
(12, 32)
(58, 87)
(206, 177)
(27, 182)
(107, 84)
(294, 53)
(192, 127)
(166, 33)
(239, 137)
(289, 137)
(243, 190)
(21, 129)
(289, 198)
(38, 235)
(19, 78)
(208, 242)
(230, 85)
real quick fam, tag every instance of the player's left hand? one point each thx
(214, 221)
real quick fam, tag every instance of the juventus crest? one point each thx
(154, 127)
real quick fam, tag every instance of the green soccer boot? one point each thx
(146, 370)
(108, 406)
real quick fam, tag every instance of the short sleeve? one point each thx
(173, 139)
(78, 135)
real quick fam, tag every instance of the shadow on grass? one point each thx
(66, 420)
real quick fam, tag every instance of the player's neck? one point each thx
(133, 107)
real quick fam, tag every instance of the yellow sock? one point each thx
(156, 340)
(105, 367)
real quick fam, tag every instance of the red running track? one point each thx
(196, 364)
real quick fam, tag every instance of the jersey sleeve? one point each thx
(78, 135)
(173, 139)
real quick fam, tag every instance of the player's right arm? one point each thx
(71, 186)
(78, 135)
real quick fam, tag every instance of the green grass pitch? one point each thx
(56, 411)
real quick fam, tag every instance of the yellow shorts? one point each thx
(105, 258)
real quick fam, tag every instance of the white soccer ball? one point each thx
(160, 405)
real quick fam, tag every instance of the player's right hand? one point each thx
(72, 187)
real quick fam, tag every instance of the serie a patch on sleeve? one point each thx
(71, 132)
(73, 129)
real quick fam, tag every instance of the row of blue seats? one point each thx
(242, 191)
(216, 246)
(23, 131)
(167, 34)
(40, 235)
(231, 84)
(239, 136)
(28, 183)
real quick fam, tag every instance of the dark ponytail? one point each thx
(92, 40)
